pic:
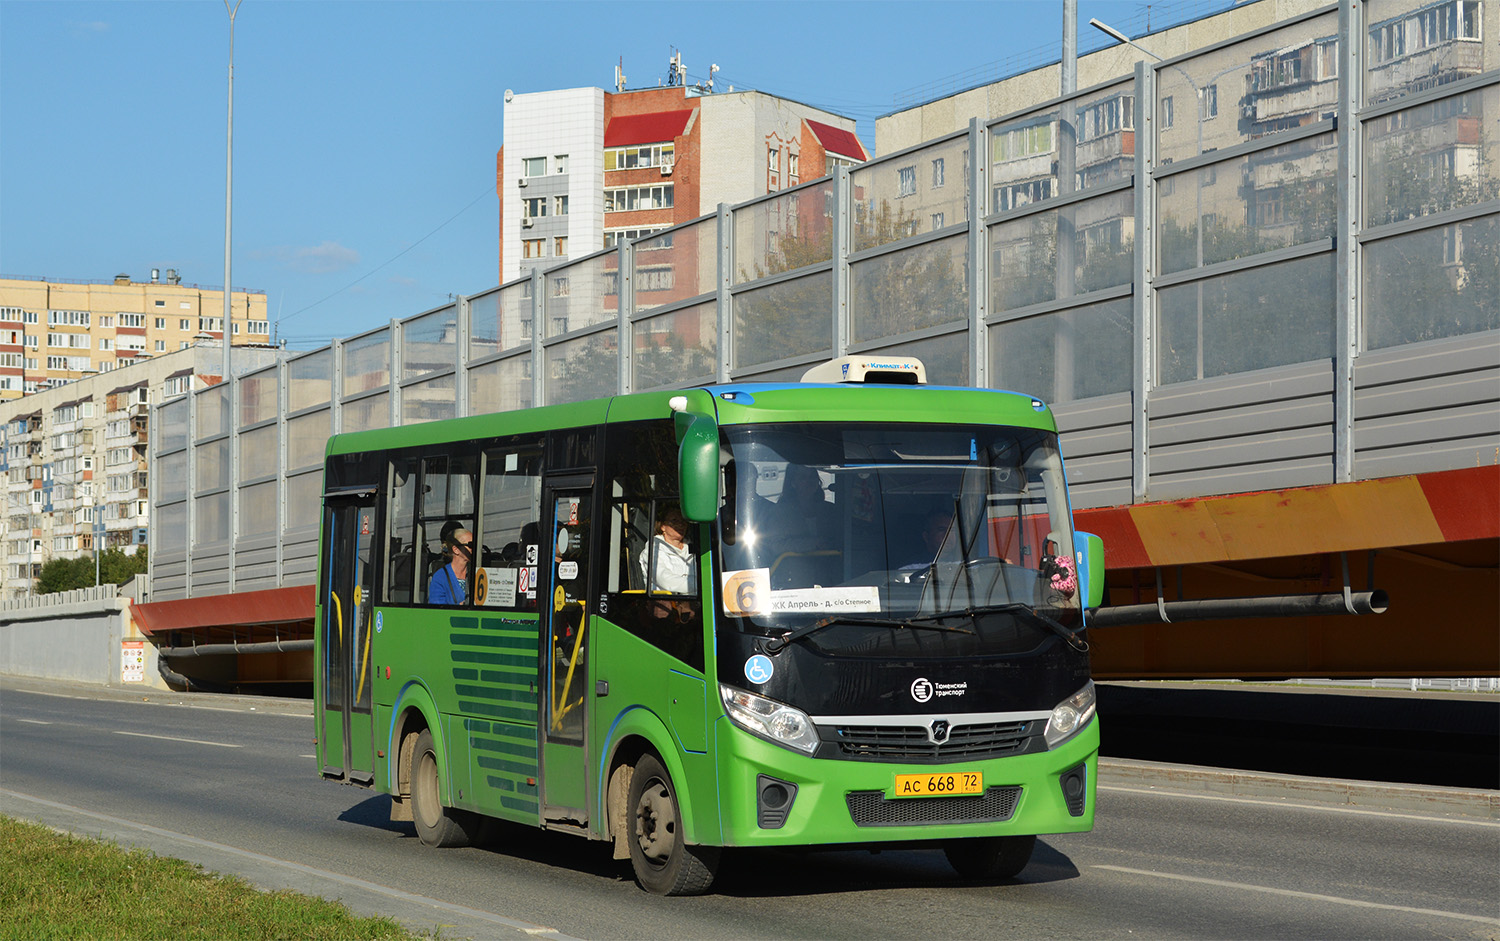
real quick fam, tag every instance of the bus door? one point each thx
(345, 725)
(569, 502)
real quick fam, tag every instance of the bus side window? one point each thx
(509, 536)
(446, 505)
(401, 522)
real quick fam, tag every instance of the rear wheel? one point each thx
(663, 861)
(436, 825)
(996, 857)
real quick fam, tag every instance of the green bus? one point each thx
(844, 612)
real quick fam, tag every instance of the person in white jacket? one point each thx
(676, 570)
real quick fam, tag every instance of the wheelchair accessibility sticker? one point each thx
(758, 669)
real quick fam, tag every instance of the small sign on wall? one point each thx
(132, 661)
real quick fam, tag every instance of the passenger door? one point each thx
(345, 724)
(568, 586)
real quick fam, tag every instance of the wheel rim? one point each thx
(656, 822)
(425, 799)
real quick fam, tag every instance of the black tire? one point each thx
(436, 825)
(664, 863)
(996, 857)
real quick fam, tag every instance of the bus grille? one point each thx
(910, 742)
(874, 809)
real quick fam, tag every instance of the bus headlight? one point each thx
(770, 719)
(1070, 715)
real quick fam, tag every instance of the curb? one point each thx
(1371, 795)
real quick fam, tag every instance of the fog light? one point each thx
(1075, 789)
(773, 801)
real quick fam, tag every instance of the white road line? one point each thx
(528, 927)
(34, 721)
(307, 756)
(1331, 808)
(170, 738)
(1312, 896)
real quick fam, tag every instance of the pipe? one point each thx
(203, 650)
(1221, 609)
(177, 679)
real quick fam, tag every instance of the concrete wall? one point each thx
(74, 636)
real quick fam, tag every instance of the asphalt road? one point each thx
(237, 790)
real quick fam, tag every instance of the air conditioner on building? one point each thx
(521, 181)
(666, 168)
(527, 223)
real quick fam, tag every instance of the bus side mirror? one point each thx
(1089, 550)
(698, 465)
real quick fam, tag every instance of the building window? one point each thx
(631, 198)
(106, 343)
(906, 181)
(534, 207)
(560, 205)
(106, 320)
(184, 324)
(937, 221)
(937, 173)
(184, 305)
(1166, 112)
(533, 248)
(560, 246)
(182, 344)
(1211, 102)
(773, 168)
(161, 346)
(560, 163)
(132, 320)
(638, 156)
(534, 166)
(161, 303)
(615, 237)
(161, 323)
(793, 173)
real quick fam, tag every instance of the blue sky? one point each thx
(365, 133)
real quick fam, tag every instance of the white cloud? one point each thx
(327, 258)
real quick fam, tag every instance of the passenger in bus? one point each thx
(450, 584)
(676, 570)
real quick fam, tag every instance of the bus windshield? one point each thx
(894, 523)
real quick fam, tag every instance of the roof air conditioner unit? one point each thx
(521, 181)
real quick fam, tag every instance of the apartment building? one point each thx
(582, 169)
(54, 331)
(74, 459)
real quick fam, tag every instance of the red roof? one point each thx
(837, 142)
(654, 128)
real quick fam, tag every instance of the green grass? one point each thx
(54, 885)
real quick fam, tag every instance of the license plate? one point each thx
(943, 784)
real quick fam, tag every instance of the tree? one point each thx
(115, 568)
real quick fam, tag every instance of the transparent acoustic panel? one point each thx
(1411, 46)
(429, 343)
(1259, 203)
(500, 320)
(946, 357)
(212, 416)
(1433, 157)
(1269, 316)
(211, 519)
(309, 380)
(171, 478)
(501, 385)
(1079, 145)
(171, 423)
(307, 439)
(1277, 81)
(910, 289)
(211, 466)
(786, 232)
(585, 368)
(169, 525)
(911, 194)
(367, 413)
(1097, 238)
(258, 509)
(1439, 282)
(367, 362)
(792, 318)
(1066, 355)
(675, 348)
(303, 497)
(582, 294)
(259, 452)
(432, 400)
(675, 266)
(259, 397)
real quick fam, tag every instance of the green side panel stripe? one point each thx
(465, 674)
(498, 712)
(463, 623)
(514, 767)
(476, 725)
(499, 659)
(512, 803)
(489, 640)
(489, 692)
(525, 678)
(521, 749)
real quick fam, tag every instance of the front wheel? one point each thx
(996, 857)
(663, 861)
(436, 825)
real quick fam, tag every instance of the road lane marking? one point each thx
(1331, 808)
(527, 927)
(1312, 896)
(34, 721)
(170, 738)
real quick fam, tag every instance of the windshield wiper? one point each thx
(777, 643)
(1014, 607)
